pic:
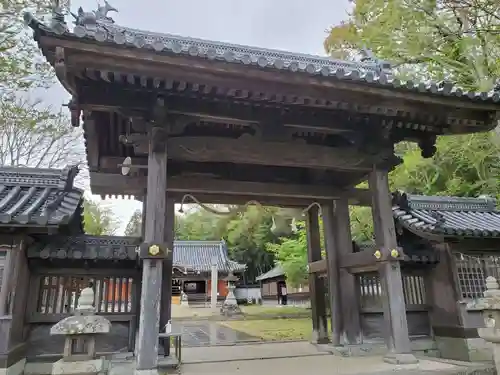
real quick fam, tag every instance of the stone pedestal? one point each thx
(80, 331)
(491, 310)
(93, 366)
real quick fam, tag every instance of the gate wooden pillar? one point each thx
(332, 265)
(349, 288)
(396, 325)
(15, 297)
(317, 288)
(152, 268)
(166, 296)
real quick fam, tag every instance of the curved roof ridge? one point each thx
(445, 203)
(49, 177)
(242, 47)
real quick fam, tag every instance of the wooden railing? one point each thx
(371, 304)
(5, 325)
(56, 295)
(371, 292)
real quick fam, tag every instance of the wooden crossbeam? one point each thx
(110, 183)
(357, 260)
(318, 266)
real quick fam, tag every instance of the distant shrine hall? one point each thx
(191, 120)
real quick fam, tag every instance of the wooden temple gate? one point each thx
(232, 124)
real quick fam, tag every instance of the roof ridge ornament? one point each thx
(58, 22)
(102, 11)
(90, 19)
(382, 67)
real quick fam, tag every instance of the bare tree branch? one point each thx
(33, 136)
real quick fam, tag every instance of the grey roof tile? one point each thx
(188, 255)
(39, 197)
(85, 247)
(372, 71)
(200, 255)
(448, 216)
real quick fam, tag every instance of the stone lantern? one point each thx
(491, 313)
(80, 331)
(230, 306)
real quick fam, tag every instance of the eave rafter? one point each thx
(433, 119)
(360, 130)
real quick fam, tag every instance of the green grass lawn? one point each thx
(275, 329)
(252, 310)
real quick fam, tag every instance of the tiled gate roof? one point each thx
(373, 72)
(448, 216)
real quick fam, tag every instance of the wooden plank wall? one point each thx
(417, 309)
(54, 296)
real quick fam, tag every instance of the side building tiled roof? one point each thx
(447, 216)
(35, 197)
(189, 256)
(271, 274)
(200, 255)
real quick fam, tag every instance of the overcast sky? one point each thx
(292, 25)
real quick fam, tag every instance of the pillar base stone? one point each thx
(319, 339)
(88, 367)
(400, 359)
(146, 372)
(16, 369)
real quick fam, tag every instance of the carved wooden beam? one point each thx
(109, 183)
(251, 150)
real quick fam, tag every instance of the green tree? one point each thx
(21, 64)
(455, 40)
(199, 225)
(98, 219)
(134, 226)
(361, 224)
(247, 236)
(246, 230)
(291, 255)
(465, 165)
(443, 40)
